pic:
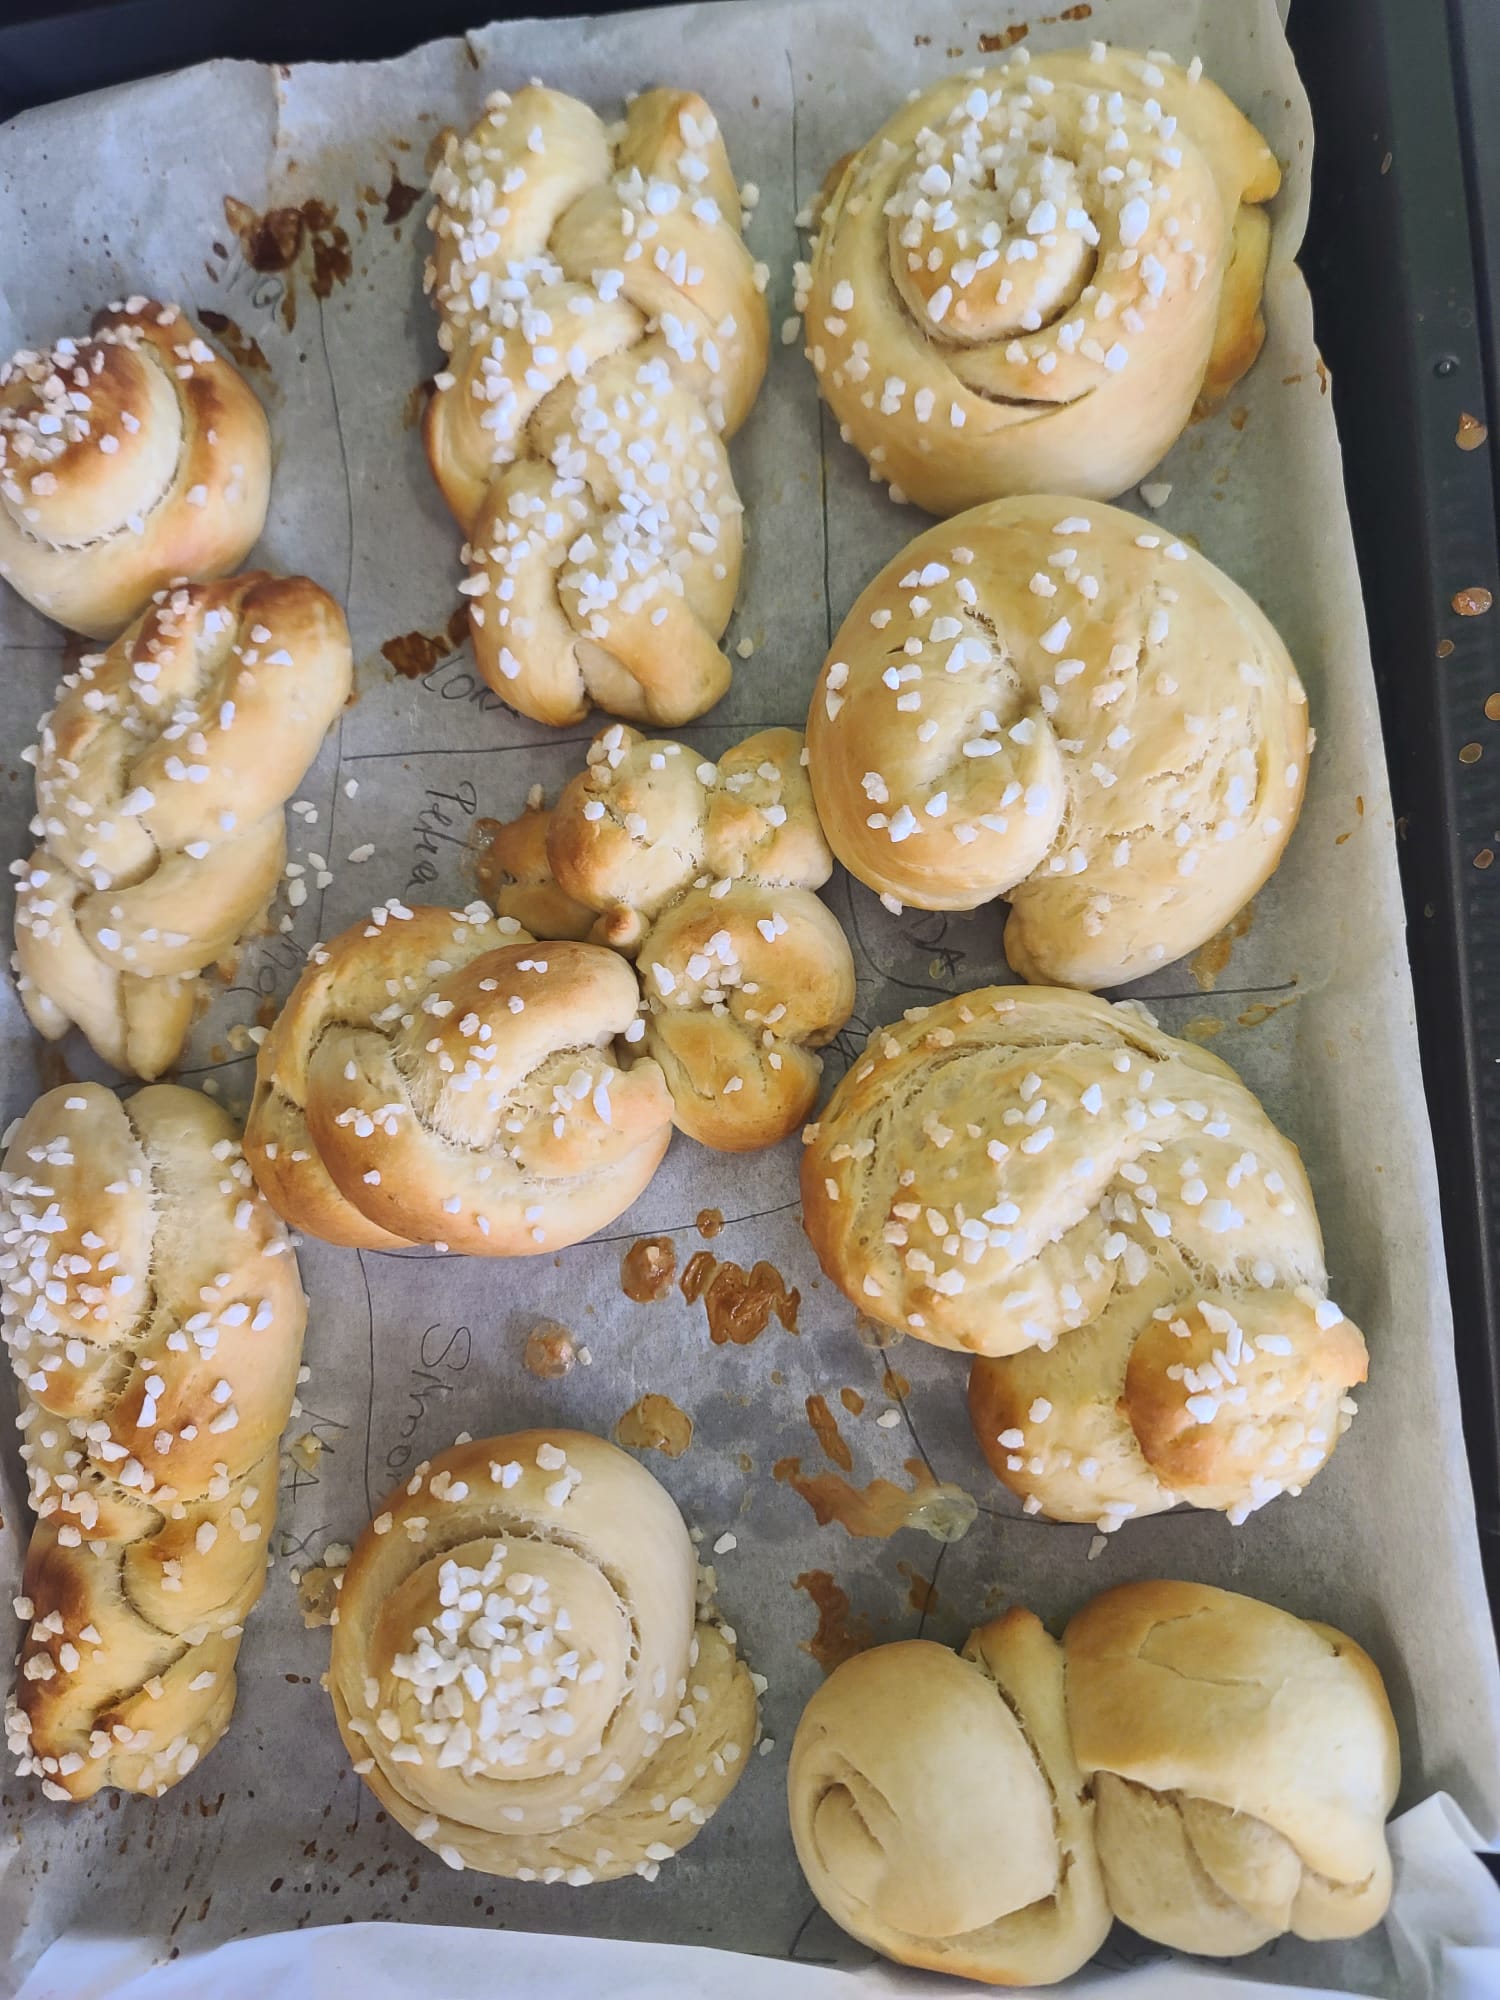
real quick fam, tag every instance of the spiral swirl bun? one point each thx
(518, 1669)
(1050, 701)
(1024, 281)
(1242, 1762)
(154, 1319)
(607, 333)
(938, 1811)
(436, 1077)
(160, 780)
(1033, 1173)
(130, 458)
(704, 873)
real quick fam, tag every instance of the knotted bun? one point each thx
(1028, 276)
(154, 1317)
(519, 1671)
(161, 776)
(703, 873)
(1242, 1761)
(606, 331)
(1058, 703)
(1037, 1175)
(436, 1077)
(130, 458)
(938, 1813)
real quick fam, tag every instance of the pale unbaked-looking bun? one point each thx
(1035, 1175)
(704, 873)
(154, 1316)
(939, 1814)
(1028, 276)
(161, 777)
(130, 458)
(437, 1077)
(607, 332)
(519, 1670)
(1057, 702)
(1242, 1762)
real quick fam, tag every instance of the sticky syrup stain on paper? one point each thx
(881, 1509)
(852, 1401)
(656, 1424)
(921, 1591)
(709, 1222)
(826, 1430)
(232, 337)
(415, 654)
(1471, 433)
(739, 1303)
(838, 1637)
(1202, 1028)
(306, 1450)
(1002, 38)
(318, 1595)
(648, 1268)
(1473, 602)
(550, 1350)
(1262, 1010)
(1209, 960)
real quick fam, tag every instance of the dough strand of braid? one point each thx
(1107, 1218)
(154, 1316)
(436, 1076)
(524, 1672)
(705, 874)
(161, 777)
(131, 458)
(606, 334)
(1029, 275)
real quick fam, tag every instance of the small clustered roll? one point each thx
(939, 1813)
(704, 874)
(154, 1316)
(1212, 1770)
(606, 332)
(438, 1077)
(161, 777)
(1053, 701)
(130, 458)
(524, 1671)
(1108, 1218)
(1027, 278)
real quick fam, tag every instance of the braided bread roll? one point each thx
(939, 1814)
(1242, 1763)
(129, 459)
(607, 332)
(161, 776)
(704, 873)
(1054, 702)
(1036, 1176)
(518, 1670)
(437, 1077)
(154, 1316)
(1028, 276)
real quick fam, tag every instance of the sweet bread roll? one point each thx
(939, 1814)
(161, 775)
(1053, 701)
(704, 873)
(1029, 275)
(1242, 1763)
(1038, 1175)
(154, 1316)
(607, 332)
(130, 458)
(518, 1669)
(436, 1077)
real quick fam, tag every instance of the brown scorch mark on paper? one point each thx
(921, 1591)
(550, 1350)
(415, 407)
(1002, 38)
(274, 242)
(852, 1401)
(655, 1423)
(1473, 602)
(238, 344)
(1202, 1028)
(739, 1303)
(415, 654)
(1262, 1010)
(400, 199)
(838, 1637)
(826, 1431)
(1471, 433)
(710, 1222)
(648, 1269)
(1209, 960)
(881, 1509)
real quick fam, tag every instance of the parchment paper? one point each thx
(125, 192)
